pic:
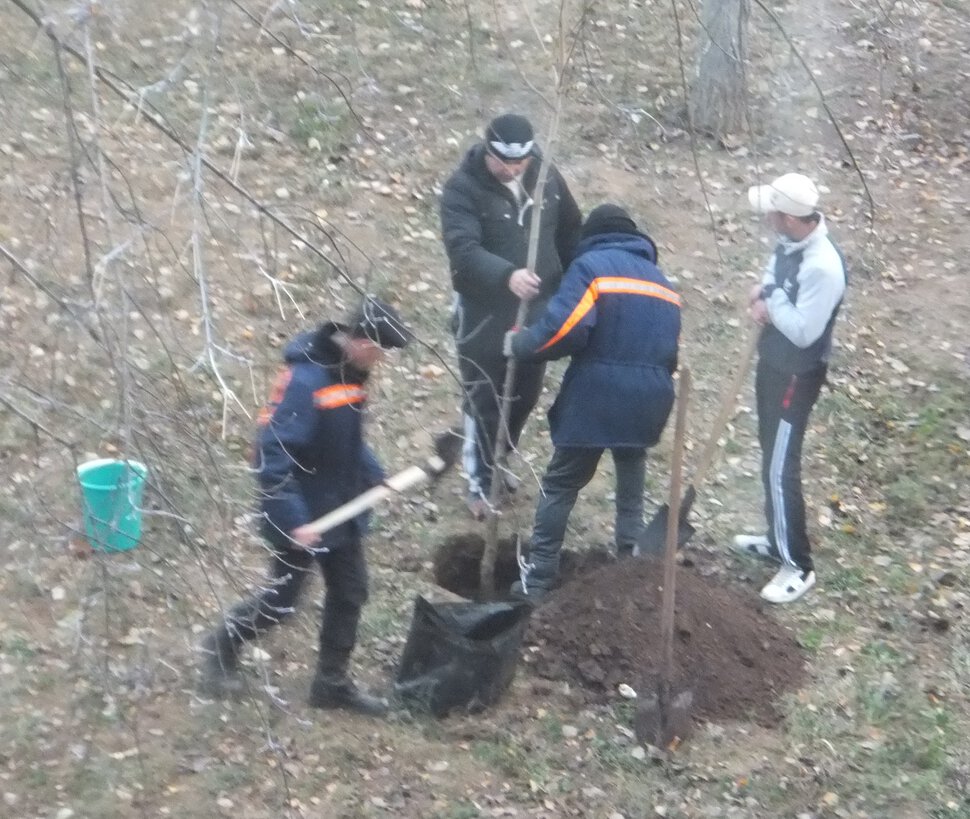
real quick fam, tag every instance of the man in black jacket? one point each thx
(310, 459)
(485, 219)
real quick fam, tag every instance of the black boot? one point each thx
(536, 580)
(333, 688)
(219, 669)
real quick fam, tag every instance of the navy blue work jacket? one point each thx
(311, 456)
(618, 317)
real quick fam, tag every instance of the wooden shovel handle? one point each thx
(726, 408)
(405, 479)
(673, 526)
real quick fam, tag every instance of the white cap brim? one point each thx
(760, 198)
(793, 194)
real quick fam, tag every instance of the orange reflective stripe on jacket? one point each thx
(610, 284)
(339, 395)
(275, 396)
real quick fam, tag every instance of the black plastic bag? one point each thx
(460, 655)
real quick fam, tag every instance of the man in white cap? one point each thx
(795, 304)
(486, 211)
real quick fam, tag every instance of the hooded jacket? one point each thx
(618, 317)
(486, 237)
(310, 455)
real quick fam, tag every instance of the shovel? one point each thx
(447, 447)
(652, 538)
(663, 717)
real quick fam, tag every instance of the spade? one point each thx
(653, 537)
(663, 716)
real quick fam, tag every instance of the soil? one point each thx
(728, 650)
(457, 562)
(601, 629)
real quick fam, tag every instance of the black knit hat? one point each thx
(380, 323)
(510, 137)
(608, 219)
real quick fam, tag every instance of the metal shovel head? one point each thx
(447, 446)
(654, 535)
(664, 720)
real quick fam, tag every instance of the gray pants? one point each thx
(570, 469)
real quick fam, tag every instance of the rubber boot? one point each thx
(333, 688)
(219, 669)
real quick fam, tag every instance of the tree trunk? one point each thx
(717, 102)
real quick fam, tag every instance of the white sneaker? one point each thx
(788, 585)
(755, 546)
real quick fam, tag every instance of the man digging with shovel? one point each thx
(311, 459)
(795, 304)
(618, 317)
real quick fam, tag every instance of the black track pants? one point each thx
(785, 402)
(344, 571)
(483, 379)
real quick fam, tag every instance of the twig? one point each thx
(692, 134)
(825, 105)
(22, 268)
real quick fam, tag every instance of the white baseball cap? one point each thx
(793, 193)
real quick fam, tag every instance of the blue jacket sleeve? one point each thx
(563, 329)
(373, 471)
(288, 433)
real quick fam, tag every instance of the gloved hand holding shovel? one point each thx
(447, 447)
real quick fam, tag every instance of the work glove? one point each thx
(507, 342)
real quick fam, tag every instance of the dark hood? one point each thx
(638, 243)
(318, 347)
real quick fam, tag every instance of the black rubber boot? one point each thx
(536, 580)
(219, 669)
(534, 596)
(333, 688)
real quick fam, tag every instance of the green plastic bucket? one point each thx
(111, 492)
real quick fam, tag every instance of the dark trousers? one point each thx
(483, 379)
(570, 469)
(785, 402)
(344, 570)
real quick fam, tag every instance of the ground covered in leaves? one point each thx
(186, 185)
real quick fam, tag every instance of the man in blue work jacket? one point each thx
(311, 459)
(619, 318)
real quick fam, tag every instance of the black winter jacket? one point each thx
(486, 237)
(311, 456)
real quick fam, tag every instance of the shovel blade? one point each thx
(654, 535)
(664, 722)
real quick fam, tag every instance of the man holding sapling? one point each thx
(486, 215)
(618, 318)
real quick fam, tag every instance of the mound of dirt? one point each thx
(602, 629)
